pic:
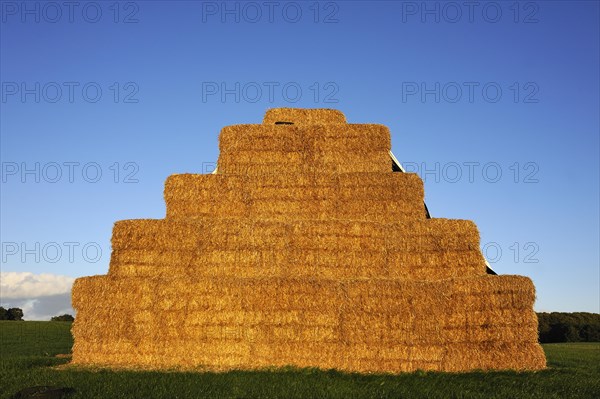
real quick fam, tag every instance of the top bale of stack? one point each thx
(297, 116)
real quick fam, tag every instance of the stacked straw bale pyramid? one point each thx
(305, 249)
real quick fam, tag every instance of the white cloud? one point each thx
(29, 285)
(41, 296)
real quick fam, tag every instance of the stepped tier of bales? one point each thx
(304, 249)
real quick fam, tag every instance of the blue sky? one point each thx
(495, 104)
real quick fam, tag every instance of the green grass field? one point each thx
(29, 349)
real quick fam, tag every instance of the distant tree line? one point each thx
(569, 327)
(11, 314)
(17, 314)
(64, 317)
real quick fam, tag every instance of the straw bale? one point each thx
(206, 196)
(256, 318)
(428, 265)
(275, 163)
(248, 138)
(434, 235)
(347, 162)
(349, 138)
(309, 264)
(163, 234)
(289, 186)
(405, 187)
(299, 116)
(378, 210)
(260, 157)
(495, 356)
(473, 294)
(205, 187)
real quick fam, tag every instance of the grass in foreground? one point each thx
(29, 349)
